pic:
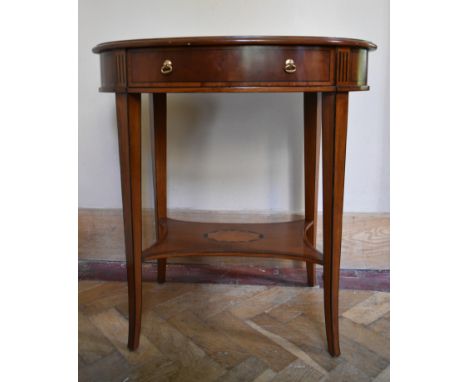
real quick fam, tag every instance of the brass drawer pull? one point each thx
(289, 66)
(166, 67)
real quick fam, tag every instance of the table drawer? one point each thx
(262, 65)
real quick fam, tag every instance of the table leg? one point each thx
(311, 174)
(129, 132)
(334, 124)
(159, 172)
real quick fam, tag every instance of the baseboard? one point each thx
(365, 246)
(363, 279)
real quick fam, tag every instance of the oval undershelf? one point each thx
(280, 240)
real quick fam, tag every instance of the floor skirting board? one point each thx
(364, 279)
(365, 244)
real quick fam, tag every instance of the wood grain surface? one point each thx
(234, 41)
(206, 332)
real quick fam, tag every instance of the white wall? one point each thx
(234, 151)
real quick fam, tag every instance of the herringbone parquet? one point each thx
(207, 332)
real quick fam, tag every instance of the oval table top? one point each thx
(235, 40)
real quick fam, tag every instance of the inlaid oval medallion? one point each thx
(233, 236)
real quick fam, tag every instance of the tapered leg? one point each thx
(159, 172)
(311, 174)
(334, 125)
(129, 131)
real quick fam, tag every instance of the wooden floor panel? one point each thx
(209, 332)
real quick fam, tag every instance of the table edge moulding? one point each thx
(319, 67)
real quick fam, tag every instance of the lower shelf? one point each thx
(280, 240)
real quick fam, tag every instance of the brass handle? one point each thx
(289, 66)
(166, 67)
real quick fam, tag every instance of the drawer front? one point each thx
(216, 66)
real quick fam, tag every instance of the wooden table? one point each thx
(331, 67)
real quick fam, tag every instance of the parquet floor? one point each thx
(208, 332)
